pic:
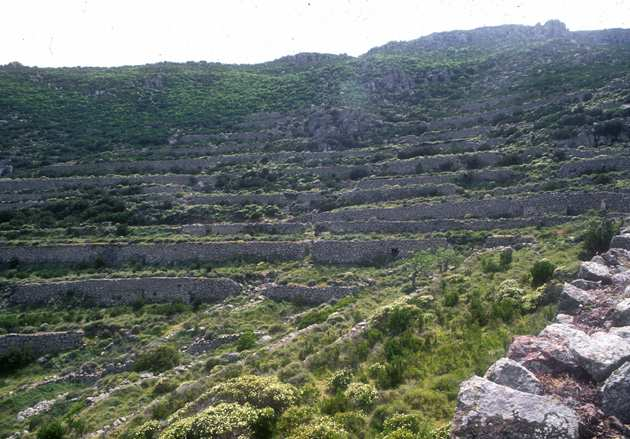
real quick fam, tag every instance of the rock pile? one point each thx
(573, 379)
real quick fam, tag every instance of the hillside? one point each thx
(319, 246)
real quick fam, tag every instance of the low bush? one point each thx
(225, 420)
(541, 272)
(158, 359)
(257, 391)
(13, 360)
(340, 380)
(361, 396)
(597, 237)
(51, 430)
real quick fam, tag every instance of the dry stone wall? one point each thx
(159, 254)
(552, 203)
(59, 184)
(588, 166)
(306, 295)
(109, 292)
(41, 343)
(368, 252)
(437, 225)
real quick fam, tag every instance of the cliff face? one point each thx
(573, 379)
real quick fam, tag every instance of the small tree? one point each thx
(597, 237)
(541, 272)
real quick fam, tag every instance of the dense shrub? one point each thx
(361, 396)
(225, 420)
(51, 430)
(158, 359)
(14, 360)
(541, 272)
(340, 380)
(321, 428)
(398, 318)
(258, 391)
(246, 340)
(597, 237)
(148, 430)
(293, 418)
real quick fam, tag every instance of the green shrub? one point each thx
(541, 272)
(148, 430)
(258, 391)
(397, 319)
(158, 359)
(361, 396)
(340, 380)
(51, 430)
(321, 428)
(597, 237)
(293, 418)
(14, 359)
(246, 340)
(225, 420)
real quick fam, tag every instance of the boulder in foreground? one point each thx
(486, 410)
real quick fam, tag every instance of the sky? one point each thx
(51, 33)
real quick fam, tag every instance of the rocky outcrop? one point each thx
(510, 373)
(40, 343)
(615, 394)
(306, 295)
(549, 385)
(486, 410)
(110, 292)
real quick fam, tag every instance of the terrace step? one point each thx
(124, 291)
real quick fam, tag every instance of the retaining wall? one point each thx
(368, 252)
(40, 343)
(162, 254)
(109, 292)
(306, 295)
(437, 225)
(552, 203)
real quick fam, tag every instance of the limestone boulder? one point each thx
(601, 353)
(586, 284)
(511, 374)
(486, 410)
(615, 394)
(544, 355)
(621, 241)
(572, 299)
(595, 272)
(621, 315)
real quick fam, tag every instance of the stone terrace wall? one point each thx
(306, 295)
(438, 225)
(330, 252)
(162, 254)
(367, 252)
(552, 203)
(239, 228)
(604, 164)
(40, 343)
(499, 175)
(57, 184)
(109, 292)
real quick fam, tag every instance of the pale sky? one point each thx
(122, 32)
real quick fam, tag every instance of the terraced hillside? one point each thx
(318, 246)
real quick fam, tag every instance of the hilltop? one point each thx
(316, 246)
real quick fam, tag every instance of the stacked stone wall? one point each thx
(110, 292)
(41, 343)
